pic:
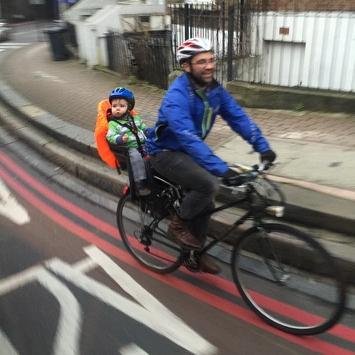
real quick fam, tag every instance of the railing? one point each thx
(225, 23)
(70, 39)
(147, 55)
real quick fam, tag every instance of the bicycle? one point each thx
(283, 274)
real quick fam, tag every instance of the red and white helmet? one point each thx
(191, 47)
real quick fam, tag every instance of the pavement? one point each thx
(57, 100)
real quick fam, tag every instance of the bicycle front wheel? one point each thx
(145, 236)
(288, 279)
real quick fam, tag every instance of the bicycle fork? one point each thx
(276, 268)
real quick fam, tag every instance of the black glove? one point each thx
(232, 178)
(267, 157)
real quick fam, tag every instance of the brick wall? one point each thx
(304, 5)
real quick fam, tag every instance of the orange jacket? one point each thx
(101, 129)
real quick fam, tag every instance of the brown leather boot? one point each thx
(208, 265)
(178, 230)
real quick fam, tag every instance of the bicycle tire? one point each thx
(153, 248)
(288, 279)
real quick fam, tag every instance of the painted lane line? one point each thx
(339, 330)
(4, 48)
(26, 276)
(84, 265)
(69, 325)
(215, 301)
(10, 207)
(6, 346)
(59, 200)
(67, 338)
(185, 336)
(43, 75)
(132, 349)
(127, 283)
(13, 44)
(152, 320)
(20, 279)
(228, 286)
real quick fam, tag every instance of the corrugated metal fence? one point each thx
(301, 49)
(151, 55)
(295, 49)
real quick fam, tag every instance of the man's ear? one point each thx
(186, 67)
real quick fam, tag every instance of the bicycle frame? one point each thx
(263, 243)
(249, 214)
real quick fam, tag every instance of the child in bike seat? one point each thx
(126, 129)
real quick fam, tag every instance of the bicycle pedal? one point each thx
(192, 269)
(191, 262)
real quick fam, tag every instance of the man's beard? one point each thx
(199, 80)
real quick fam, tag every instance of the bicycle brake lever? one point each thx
(265, 165)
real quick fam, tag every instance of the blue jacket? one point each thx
(187, 115)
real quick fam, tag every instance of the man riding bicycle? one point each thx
(177, 147)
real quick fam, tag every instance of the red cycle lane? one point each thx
(11, 168)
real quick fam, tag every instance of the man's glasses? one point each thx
(205, 62)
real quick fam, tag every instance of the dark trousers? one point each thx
(199, 185)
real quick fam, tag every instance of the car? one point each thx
(5, 30)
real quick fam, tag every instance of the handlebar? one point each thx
(264, 193)
(248, 173)
(260, 168)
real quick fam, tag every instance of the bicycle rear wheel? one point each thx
(145, 236)
(288, 279)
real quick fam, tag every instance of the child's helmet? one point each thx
(123, 93)
(191, 47)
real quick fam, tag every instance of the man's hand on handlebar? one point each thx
(266, 158)
(232, 178)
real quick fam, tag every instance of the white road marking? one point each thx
(171, 326)
(41, 74)
(176, 331)
(27, 32)
(24, 277)
(67, 338)
(13, 44)
(6, 346)
(4, 48)
(20, 279)
(132, 349)
(10, 208)
(70, 319)
(151, 313)
(85, 265)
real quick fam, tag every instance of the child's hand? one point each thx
(124, 138)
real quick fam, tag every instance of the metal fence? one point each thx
(284, 48)
(147, 55)
(301, 49)
(150, 55)
(120, 58)
(70, 39)
(226, 23)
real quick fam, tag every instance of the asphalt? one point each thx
(53, 108)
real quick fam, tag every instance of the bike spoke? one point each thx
(145, 237)
(288, 279)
